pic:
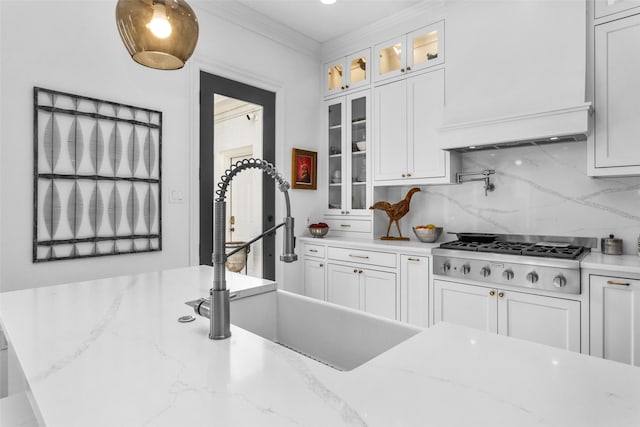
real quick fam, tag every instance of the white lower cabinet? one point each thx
(414, 290)
(615, 318)
(314, 278)
(364, 289)
(542, 319)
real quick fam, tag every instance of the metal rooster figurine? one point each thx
(395, 212)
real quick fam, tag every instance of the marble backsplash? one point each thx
(540, 190)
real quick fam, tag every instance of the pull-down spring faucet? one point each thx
(219, 323)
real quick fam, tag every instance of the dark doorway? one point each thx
(209, 86)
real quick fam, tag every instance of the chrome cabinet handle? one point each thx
(359, 256)
(614, 282)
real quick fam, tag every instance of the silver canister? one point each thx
(611, 245)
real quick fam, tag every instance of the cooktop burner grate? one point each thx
(518, 248)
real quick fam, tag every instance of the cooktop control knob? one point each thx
(465, 269)
(446, 266)
(485, 271)
(532, 277)
(559, 281)
(507, 274)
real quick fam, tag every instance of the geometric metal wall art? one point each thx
(97, 177)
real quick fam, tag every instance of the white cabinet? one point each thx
(545, 320)
(314, 278)
(364, 289)
(314, 271)
(609, 7)
(347, 147)
(615, 318)
(345, 73)
(615, 149)
(414, 290)
(410, 52)
(407, 114)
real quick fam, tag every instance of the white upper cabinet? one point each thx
(410, 52)
(616, 150)
(347, 147)
(407, 114)
(347, 73)
(609, 7)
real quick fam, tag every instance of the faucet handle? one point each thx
(201, 306)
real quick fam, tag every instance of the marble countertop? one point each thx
(612, 263)
(111, 353)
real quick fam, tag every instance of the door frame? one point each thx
(222, 69)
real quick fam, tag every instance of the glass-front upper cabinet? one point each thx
(417, 50)
(347, 73)
(347, 143)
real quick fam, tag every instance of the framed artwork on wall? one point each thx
(304, 169)
(97, 177)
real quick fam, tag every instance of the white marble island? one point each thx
(111, 353)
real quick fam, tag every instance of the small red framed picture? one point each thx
(304, 169)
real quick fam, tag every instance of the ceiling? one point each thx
(324, 22)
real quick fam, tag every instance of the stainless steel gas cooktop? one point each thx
(539, 262)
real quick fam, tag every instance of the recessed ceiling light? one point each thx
(327, 1)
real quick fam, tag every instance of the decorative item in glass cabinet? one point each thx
(160, 34)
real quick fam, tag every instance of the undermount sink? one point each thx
(340, 337)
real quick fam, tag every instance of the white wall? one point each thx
(541, 190)
(74, 46)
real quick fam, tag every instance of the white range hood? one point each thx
(566, 124)
(511, 80)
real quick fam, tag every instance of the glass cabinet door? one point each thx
(348, 145)
(335, 76)
(358, 64)
(358, 115)
(390, 58)
(427, 46)
(335, 146)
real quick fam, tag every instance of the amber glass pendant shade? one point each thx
(160, 34)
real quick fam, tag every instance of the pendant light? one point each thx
(160, 34)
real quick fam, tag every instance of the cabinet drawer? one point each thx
(313, 250)
(360, 226)
(382, 259)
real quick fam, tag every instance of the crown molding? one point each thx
(255, 22)
(405, 21)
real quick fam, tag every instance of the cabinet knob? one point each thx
(408, 68)
(492, 293)
(402, 70)
(408, 174)
(355, 270)
(359, 271)
(321, 265)
(404, 175)
(501, 294)
(346, 87)
(342, 87)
